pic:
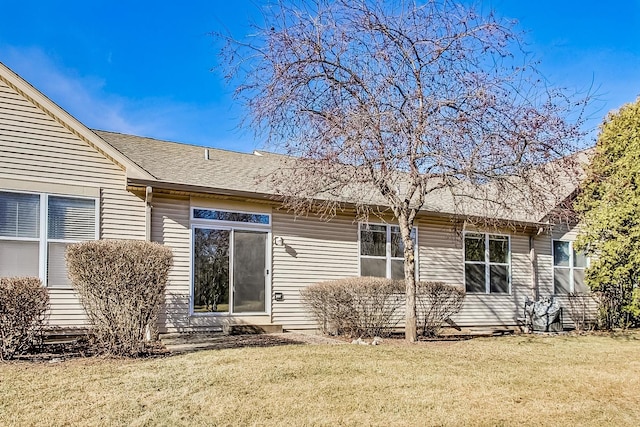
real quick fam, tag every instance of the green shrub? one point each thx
(121, 284)
(435, 303)
(356, 306)
(23, 306)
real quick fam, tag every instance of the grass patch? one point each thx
(523, 380)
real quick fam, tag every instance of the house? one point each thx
(238, 258)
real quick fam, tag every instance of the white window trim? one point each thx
(570, 267)
(212, 224)
(42, 239)
(487, 263)
(387, 256)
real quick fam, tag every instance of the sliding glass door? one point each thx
(211, 270)
(229, 270)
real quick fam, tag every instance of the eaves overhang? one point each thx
(181, 188)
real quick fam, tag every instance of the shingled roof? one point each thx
(172, 162)
(229, 172)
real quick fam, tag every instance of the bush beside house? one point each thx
(355, 306)
(121, 284)
(436, 302)
(23, 307)
(371, 306)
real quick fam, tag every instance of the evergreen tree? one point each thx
(609, 208)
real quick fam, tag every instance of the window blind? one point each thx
(19, 215)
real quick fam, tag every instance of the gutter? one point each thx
(147, 201)
(273, 198)
(187, 188)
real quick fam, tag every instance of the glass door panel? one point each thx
(249, 269)
(211, 270)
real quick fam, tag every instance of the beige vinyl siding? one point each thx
(567, 233)
(36, 149)
(502, 309)
(440, 252)
(313, 251)
(542, 244)
(442, 259)
(66, 310)
(170, 227)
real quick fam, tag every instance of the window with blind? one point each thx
(35, 230)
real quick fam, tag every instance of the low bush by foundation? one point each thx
(372, 306)
(356, 306)
(23, 307)
(435, 303)
(121, 284)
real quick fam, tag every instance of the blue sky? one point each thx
(144, 67)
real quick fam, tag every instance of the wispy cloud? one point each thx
(81, 95)
(85, 97)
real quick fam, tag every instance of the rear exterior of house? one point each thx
(56, 187)
(238, 257)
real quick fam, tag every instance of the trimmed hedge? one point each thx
(435, 303)
(356, 306)
(23, 307)
(121, 284)
(373, 306)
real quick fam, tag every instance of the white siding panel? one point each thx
(313, 251)
(36, 148)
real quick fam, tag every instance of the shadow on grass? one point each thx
(543, 338)
(224, 342)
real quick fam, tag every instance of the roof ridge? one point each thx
(164, 141)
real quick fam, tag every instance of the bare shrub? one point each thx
(23, 306)
(436, 302)
(582, 310)
(121, 284)
(356, 306)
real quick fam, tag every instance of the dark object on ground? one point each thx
(544, 315)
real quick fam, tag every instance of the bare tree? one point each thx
(402, 106)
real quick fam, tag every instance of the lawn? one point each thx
(517, 380)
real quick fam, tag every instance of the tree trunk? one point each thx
(410, 329)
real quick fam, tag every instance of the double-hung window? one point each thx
(568, 268)
(35, 230)
(382, 251)
(487, 263)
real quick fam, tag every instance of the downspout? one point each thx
(147, 200)
(147, 236)
(533, 259)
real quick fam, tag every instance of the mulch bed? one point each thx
(80, 347)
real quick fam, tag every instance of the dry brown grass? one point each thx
(521, 380)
